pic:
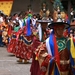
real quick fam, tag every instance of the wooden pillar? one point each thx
(69, 7)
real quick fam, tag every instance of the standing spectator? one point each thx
(34, 19)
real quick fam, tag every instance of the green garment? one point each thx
(16, 28)
(30, 15)
(68, 45)
(24, 21)
(63, 43)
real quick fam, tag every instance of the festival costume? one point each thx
(24, 44)
(14, 34)
(40, 62)
(11, 45)
(58, 49)
(39, 67)
(18, 44)
(1, 43)
(4, 29)
(72, 46)
(35, 69)
(13, 42)
(24, 47)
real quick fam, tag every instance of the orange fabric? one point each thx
(6, 0)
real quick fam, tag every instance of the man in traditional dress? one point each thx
(54, 58)
(59, 50)
(72, 44)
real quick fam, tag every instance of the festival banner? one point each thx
(6, 6)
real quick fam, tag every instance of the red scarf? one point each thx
(57, 59)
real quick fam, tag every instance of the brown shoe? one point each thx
(20, 60)
(25, 61)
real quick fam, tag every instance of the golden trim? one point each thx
(64, 73)
(64, 62)
(26, 39)
(27, 44)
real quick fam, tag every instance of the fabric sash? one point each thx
(40, 32)
(56, 52)
(72, 49)
(55, 55)
(28, 27)
(48, 46)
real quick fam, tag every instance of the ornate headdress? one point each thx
(59, 16)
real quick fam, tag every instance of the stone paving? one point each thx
(10, 66)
